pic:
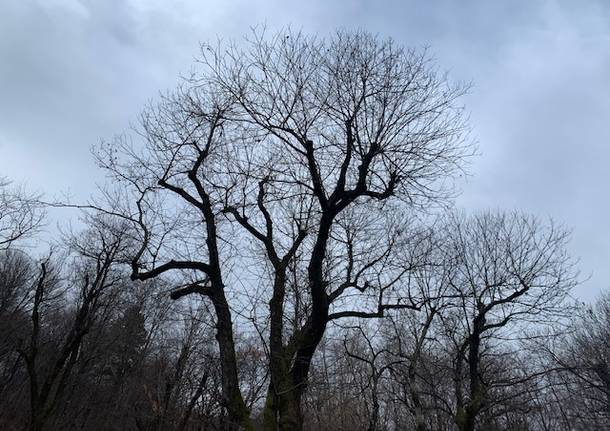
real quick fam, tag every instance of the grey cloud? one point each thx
(73, 72)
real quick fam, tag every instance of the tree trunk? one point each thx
(234, 402)
(467, 414)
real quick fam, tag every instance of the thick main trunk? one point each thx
(374, 422)
(283, 409)
(37, 424)
(281, 412)
(234, 402)
(283, 404)
(467, 414)
(37, 421)
(239, 415)
(418, 411)
(315, 327)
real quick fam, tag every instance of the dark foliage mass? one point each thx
(275, 249)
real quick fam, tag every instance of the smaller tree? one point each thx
(92, 276)
(580, 390)
(511, 274)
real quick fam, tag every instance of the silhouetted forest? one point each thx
(275, 248)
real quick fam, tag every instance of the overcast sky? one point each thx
(75, 71)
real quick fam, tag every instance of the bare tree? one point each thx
(94, 275)
(271, 147)
(579, 389)
(20, 214)
(511, 277)
(395, 353)
(370, 389)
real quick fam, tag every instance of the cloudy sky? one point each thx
(75, 71)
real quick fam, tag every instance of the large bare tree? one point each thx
(276, 157)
